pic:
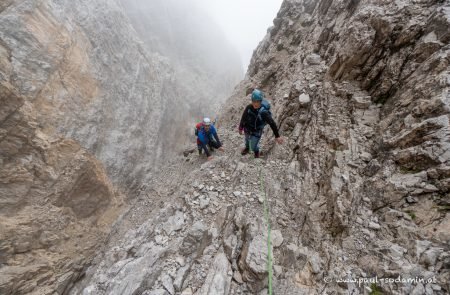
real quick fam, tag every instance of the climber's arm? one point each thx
(269, 120)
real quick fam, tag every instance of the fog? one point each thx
(244, 22)
(201, 66)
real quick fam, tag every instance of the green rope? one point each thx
(267, 218)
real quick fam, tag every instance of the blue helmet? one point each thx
(257, 95)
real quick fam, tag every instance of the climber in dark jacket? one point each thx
(207, 137)
(255, 117)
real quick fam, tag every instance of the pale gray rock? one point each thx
(213, 195)
(253, 258)
(218, 280)
(419, 289)
(397, 252)
(277, 238)
(161, 240)
(315, 263)
(421, 246)
(180, 260)
(411, 199)
(136, 275)
(374, 225)
(156, 292)
(181, 277)
(304, 99)
(204, 202)
(366, 157)
(278, 270)
(230, 247)
(197, 239)
(238, 277)
(174, 223)
(167, 283)
(430, 256)
(313, 59)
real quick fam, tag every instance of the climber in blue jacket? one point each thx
(207, 137)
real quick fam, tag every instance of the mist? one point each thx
(244, 22)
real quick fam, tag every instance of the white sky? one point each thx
(245, 22)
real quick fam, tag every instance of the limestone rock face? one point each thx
(80, 90)
(89, 70)
(253, 259)
(218, 280)
(56, 203)
(360, 90)
(81, 67)
(203, 68)
(361, 93)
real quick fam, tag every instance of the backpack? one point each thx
(265, 106)
(197, 128)
(200, 125)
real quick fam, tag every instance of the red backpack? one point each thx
(198, 127)
(197, 130)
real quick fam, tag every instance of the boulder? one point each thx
(218, 280)
(253, 259)
(181, 276)
(174, 223)
(277, 238)
(136, 275)
(304, 99)
(196, 240)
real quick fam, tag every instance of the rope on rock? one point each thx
(267, 219)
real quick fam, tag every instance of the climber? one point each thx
(207, 137)
(255, 117)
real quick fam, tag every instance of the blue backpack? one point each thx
(265, 106)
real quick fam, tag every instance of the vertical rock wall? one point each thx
(79, 91)
(361, 91)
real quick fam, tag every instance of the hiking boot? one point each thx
(200, 152)
(244, 151)
(257, 155)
